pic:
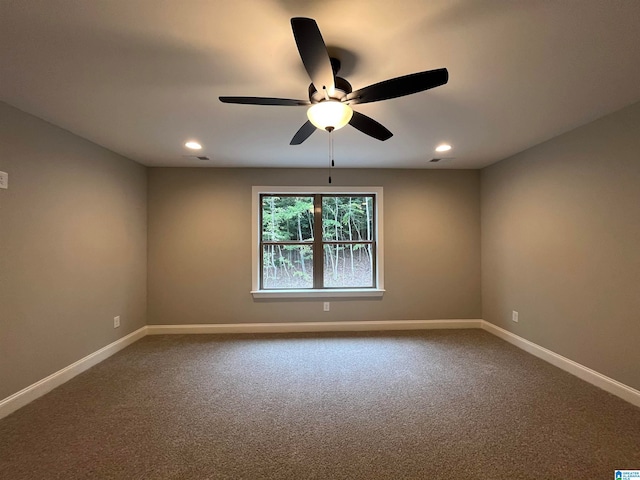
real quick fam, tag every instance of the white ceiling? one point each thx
(141, 77)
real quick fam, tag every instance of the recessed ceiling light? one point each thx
(443, 148)
(193, 145)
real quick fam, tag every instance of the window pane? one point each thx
(348, 265)
(347, 218)
(287, 218)
(287, 266)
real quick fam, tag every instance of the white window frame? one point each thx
(377, 291)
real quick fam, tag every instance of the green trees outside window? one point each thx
(317, 241)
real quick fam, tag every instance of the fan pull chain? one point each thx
(332, 164)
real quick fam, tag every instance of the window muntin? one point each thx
(318, 241)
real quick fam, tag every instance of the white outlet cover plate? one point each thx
(4, 180)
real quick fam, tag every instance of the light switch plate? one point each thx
(4, 180)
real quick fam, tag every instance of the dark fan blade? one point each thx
(400, 86)
(305, 132)
(313, 53)
(369, 126)
(286, 102)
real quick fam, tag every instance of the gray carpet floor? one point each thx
(402, 405)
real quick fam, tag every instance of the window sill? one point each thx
(326, 293)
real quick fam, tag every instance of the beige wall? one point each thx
(72, 248)
(200, 246)
(561, 245)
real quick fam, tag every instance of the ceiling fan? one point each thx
(331, 97)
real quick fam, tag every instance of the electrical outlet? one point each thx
(514, 316)
(116, 321)
(326, 307)
(4, 180)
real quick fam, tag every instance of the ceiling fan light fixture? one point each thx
(329, 94)
(330, 114)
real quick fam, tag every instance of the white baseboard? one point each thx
(36, 390)
(300, 327)
(607, 384)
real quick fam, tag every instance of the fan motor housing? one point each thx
(343, 88)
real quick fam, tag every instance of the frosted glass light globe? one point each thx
(330, 114)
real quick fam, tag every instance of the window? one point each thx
(317, 241)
